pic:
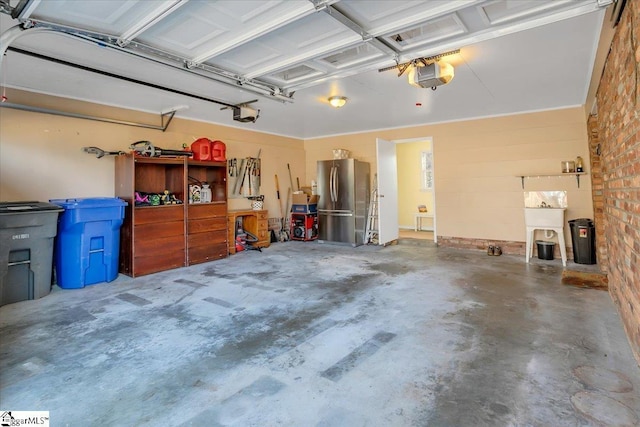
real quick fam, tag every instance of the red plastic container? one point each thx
(202, 149)
(218, 151)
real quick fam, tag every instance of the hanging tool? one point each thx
(259, 172)
(147, 149)
(249, 174)
(247, 171)
(298, 182)
(238, 174)
(256, 171)
(233, 167)
(99, 152)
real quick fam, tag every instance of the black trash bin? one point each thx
(583, 240)
(545, 249)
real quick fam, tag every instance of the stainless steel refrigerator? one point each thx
(343, 186)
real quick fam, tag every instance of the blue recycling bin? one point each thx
(88, 241)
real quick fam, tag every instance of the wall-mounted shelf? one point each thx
(576, 174)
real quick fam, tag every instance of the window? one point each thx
(426, 171)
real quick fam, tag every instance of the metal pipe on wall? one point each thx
(33, 109)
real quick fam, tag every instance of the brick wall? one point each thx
(508, 247)
(597, 187)
(618, 120)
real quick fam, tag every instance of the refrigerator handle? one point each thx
(331, 183)
(336, 186)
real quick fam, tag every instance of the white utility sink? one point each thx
(544, 218)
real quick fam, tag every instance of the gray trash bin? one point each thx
(27, 230)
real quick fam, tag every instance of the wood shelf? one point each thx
(558, 175)
(158, 238)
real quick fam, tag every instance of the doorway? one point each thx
(415, 189)
(416, 192)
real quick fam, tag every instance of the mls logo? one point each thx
(24, 418)
(6, 419)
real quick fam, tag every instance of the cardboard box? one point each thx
(304, 199)
(302, 203)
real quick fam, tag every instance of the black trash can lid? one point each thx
(581, 221)
(544, 243)
(13, 208)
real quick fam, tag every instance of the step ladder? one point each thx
(371, 231)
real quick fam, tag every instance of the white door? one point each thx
(387, 191)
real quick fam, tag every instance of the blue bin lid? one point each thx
(89, 202)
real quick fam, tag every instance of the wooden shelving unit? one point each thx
(207, 222)
(158, 238)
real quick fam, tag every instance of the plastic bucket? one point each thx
(545, 249)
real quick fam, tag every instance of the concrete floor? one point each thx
(308, 334)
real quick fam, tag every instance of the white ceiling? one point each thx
(291, 55)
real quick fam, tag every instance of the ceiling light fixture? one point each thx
(337, 101)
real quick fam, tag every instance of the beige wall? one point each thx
(41, 155)
(410, 195)
(476, 163)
